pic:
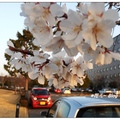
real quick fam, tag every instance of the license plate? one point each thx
(42, 103)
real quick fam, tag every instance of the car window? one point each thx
(106, 112)
(63, 110)
(53, 109)
(40, 92)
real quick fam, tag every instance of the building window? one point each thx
(119, 66)
(119, 41)
(107, 69)
(115, 75)
(111, 76)
(111, 68)
(115, 67)
(107, 76)
(118, 49)
(104, 69)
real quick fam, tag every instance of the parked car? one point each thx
(88, 90)
(66, 91)
(116, 91)
(80, 90)
(74, 89)
(95, 91)
(52, 89)
(105, 91)
(84, 107)
(56, 90)
(40, 98)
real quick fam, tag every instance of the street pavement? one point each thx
(8, 102)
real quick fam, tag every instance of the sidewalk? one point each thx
(8, 101)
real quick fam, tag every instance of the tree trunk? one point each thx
(26, 84)
(26, 87)
(3, 81)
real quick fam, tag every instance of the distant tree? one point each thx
(86, 82)
(3, 80)
(24, 41)
(99, 83)
(113, 84)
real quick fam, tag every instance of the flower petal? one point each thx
(41, 79)
(108, 58)
(110, 13)
(9, 43)
(33, 75)
(56, 10)
(72, 51)
(105, 39)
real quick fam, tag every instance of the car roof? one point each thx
(91, 101)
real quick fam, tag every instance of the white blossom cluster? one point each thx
(66, 33)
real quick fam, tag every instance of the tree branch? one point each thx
(20, 50)
(118, 22)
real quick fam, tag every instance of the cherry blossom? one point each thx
(78, 67)
(34, 72)
(39, 58)
(99, 33)
(49, 69)
(73, 27)
(55, 45)
(57, 10)
(72, 41)
(42, 31)
(41, 79)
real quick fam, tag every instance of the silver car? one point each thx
(86, 107)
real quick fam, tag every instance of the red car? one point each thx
(57, 91)
(40, 98)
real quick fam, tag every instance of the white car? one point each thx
(84, 107)
(66, 91)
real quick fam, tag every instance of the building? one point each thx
(108, 72)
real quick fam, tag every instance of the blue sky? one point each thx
(11, 22)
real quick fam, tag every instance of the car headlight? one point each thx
(49, 98)
(34, 98)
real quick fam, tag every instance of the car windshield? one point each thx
(40, 92)
(106, 112)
